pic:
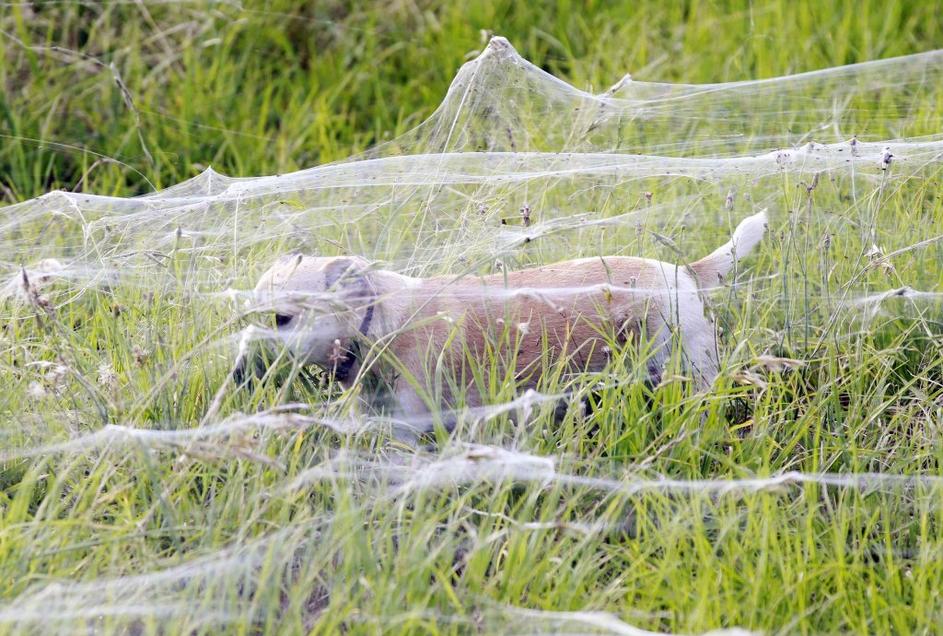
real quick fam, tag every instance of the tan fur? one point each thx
(565, 310)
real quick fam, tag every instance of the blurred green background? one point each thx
(124, 97)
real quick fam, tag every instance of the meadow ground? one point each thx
(275, 522)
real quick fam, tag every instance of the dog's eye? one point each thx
(282, 319)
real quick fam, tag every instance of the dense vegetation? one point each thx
(164, 534)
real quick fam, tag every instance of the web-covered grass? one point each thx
(140, 492)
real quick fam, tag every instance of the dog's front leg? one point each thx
(411, 409)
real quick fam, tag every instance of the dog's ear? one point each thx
(293, 258)
(345, 272)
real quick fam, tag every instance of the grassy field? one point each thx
(138, 493)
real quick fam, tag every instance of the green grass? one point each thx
(233, 533)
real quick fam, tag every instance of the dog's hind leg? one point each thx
(700, 352)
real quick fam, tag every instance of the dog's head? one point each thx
(318, 307)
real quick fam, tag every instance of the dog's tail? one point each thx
(713, 267)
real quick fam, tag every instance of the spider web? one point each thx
(514, 168)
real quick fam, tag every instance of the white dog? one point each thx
(419, 334)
